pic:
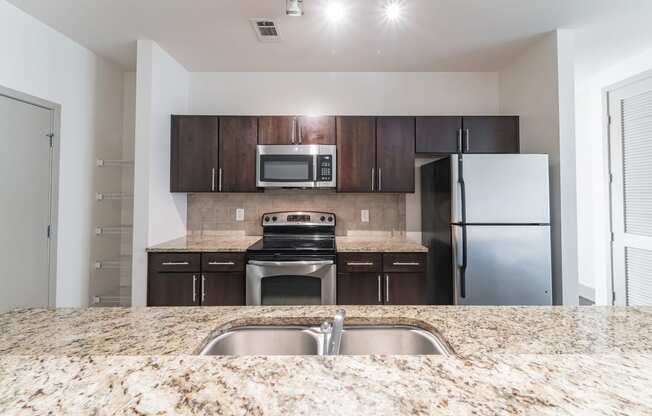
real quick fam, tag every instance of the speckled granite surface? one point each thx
(379, 245)
(587, 360)
(211, 243)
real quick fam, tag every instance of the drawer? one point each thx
(359, 262)
(223, 262)
(174, 262)
(404, 262)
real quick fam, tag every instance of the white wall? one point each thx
(39, 61)
(593, 196)
(536, 86)
(161, 90)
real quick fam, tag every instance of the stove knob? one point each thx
(266, 219)
(274, 218)
(330, 219)
(322, 219)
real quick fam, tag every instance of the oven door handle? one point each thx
(291, 263)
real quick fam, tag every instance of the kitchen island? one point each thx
(507, 360)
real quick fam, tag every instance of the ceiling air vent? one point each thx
(266, 30)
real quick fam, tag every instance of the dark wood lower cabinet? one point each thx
(206, 279)
(359, 289)
(223, 289)
(173, 289)
(405, 289)
(397, 279)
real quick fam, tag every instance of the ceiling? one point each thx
(432, 35)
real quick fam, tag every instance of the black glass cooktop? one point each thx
(293, 244)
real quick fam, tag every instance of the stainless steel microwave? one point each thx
(300, 166)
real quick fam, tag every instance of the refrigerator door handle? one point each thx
(463, 266)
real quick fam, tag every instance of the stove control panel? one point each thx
(298, 219)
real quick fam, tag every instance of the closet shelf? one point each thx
(121, 229)
(105, 196)
(106, 163)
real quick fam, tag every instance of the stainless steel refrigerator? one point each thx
(486, 222)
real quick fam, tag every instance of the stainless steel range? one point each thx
(294, 263)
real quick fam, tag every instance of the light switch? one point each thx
(364, 215)
(239, 214)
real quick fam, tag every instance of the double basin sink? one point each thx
(309, 340)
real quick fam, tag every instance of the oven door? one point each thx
(286, 166)
(301, 282)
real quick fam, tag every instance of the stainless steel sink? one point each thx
(305, 340)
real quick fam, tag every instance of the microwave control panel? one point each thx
(324, 168)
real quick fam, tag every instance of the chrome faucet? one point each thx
(333, 347)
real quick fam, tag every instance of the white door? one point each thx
(25, 183)
(630, 143)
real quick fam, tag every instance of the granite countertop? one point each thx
(378, 245)
(507, 360)
(227, 242)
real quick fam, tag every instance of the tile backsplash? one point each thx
(217, 212)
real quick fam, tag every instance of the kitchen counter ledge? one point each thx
(509, 360)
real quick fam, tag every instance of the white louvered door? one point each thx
(630, 142)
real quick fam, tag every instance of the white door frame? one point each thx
(55, 111)
(606, 143)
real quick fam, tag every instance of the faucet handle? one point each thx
(326, 328)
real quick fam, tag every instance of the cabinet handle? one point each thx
(380, 290)
(300, 131)
(220, 180)
(387, 289)
(175, 263)
(221, 263)
(373, 178)
(468, 133)
(203, 288)
(398, 263)
(294, 128)
(362, 263)
(194, 288)
(459, 140)
(380, 179)
(213, 180)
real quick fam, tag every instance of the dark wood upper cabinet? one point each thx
(438, 135)
(223, 289)
(277, 130)
(356, 154)
(395, 137)
(491, 134)
(316, 129)
(237, 167)
(194, 154)
(359, 289)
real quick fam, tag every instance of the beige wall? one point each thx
(217, 212)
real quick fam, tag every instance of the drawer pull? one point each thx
(221, 263)
(398, 263)
(362, 263)
(175, 263)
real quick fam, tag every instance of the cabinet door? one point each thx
(405, 288)
(395, 154)
(438, 135)
(356, 154)
(316, 130)
(491, 134)
(359, 289)
(223, 289)
(238, 140)
(173, 289)
(194, 154)
(277, 130)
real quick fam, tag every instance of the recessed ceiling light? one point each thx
(393, 10)
(334, 11)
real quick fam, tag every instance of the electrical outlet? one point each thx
(239, 214)
(364, 215)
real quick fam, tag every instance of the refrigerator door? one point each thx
(505, 265)
(503, 189)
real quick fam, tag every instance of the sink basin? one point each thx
(305, 340)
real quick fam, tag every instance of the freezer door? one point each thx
(504, 189)
(505, 265)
